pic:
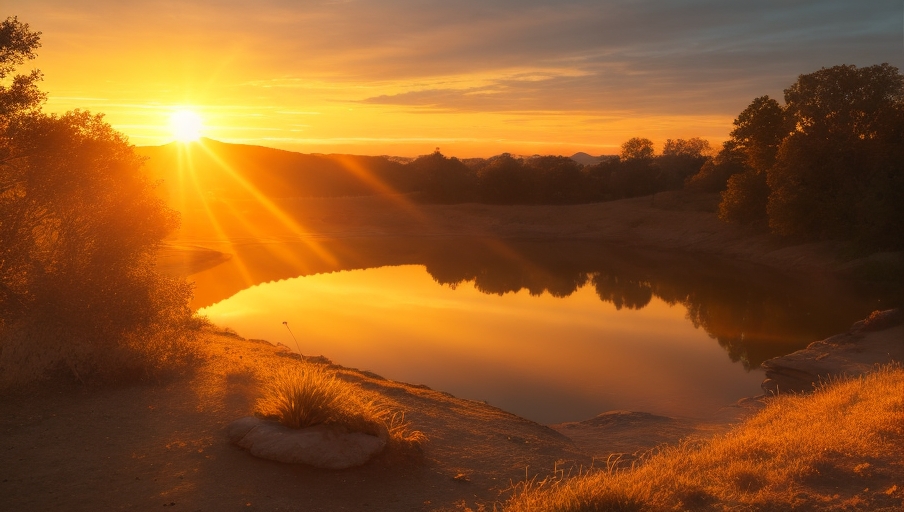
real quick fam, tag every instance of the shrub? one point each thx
(79, 230)
(744, 199)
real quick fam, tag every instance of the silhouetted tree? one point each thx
(637, 170)
(637, 148)
(840, 173)
(18, 45)
(744, 198)
(505, 180)
(714, 173)
(444, 180)
(557, 180)
(680, 159)
(759, 130)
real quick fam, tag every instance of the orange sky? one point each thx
(474, 78)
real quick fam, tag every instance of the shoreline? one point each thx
(474, 454)
(163, 443)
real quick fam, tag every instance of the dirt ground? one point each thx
(154, 445)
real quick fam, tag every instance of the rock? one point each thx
(877, 340)
(625, 418)
(322, 446)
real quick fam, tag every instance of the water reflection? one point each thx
(753, 313)
(550, 359)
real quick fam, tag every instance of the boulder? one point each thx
(321, 446)
(877, 340)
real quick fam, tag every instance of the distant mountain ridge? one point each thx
(585, 159)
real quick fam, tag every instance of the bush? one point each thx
(79, 230)
(744, 199)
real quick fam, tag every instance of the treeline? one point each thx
(231, 171)
(506, 179)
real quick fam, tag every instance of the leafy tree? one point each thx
(746, 158)
(79, 229)
(827, 164)
(714, 173)
(840, 173)
(17, 45)
(444, 180)
(680, 159)
(557, 180)
(759, 130)
(694, 147)
(505, 180)
(744, 198)
(637, 148)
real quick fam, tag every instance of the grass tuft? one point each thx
(305, 395)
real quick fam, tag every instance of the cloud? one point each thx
(401, 60)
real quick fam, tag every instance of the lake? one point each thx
(553, 331)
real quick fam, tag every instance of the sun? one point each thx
(186, 125)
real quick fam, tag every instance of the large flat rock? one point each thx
(321, 446)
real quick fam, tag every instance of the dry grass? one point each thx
(306, 394)
(837, 449)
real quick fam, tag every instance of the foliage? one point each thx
(831, 158)
(79, 229)
(744, 199)
(17, 45)
(715, 172)
(834, 450)
(443, 180)
(759, 130)
(637, 148)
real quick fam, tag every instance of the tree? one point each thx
(17, 45)
(680, 159)
(839, 174)
(746, 158)
(759, 130)
(505, 180)
(715, 172)
(79, 230)
(557, 180)
(444, 180)
(744, 198)
(637, 148)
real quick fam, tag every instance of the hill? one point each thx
(222, 171)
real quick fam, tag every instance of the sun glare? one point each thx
(186, 125)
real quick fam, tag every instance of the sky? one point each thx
(472, 77)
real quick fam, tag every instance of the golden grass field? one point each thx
(839, 448)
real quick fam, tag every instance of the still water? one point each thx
(551, 334)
